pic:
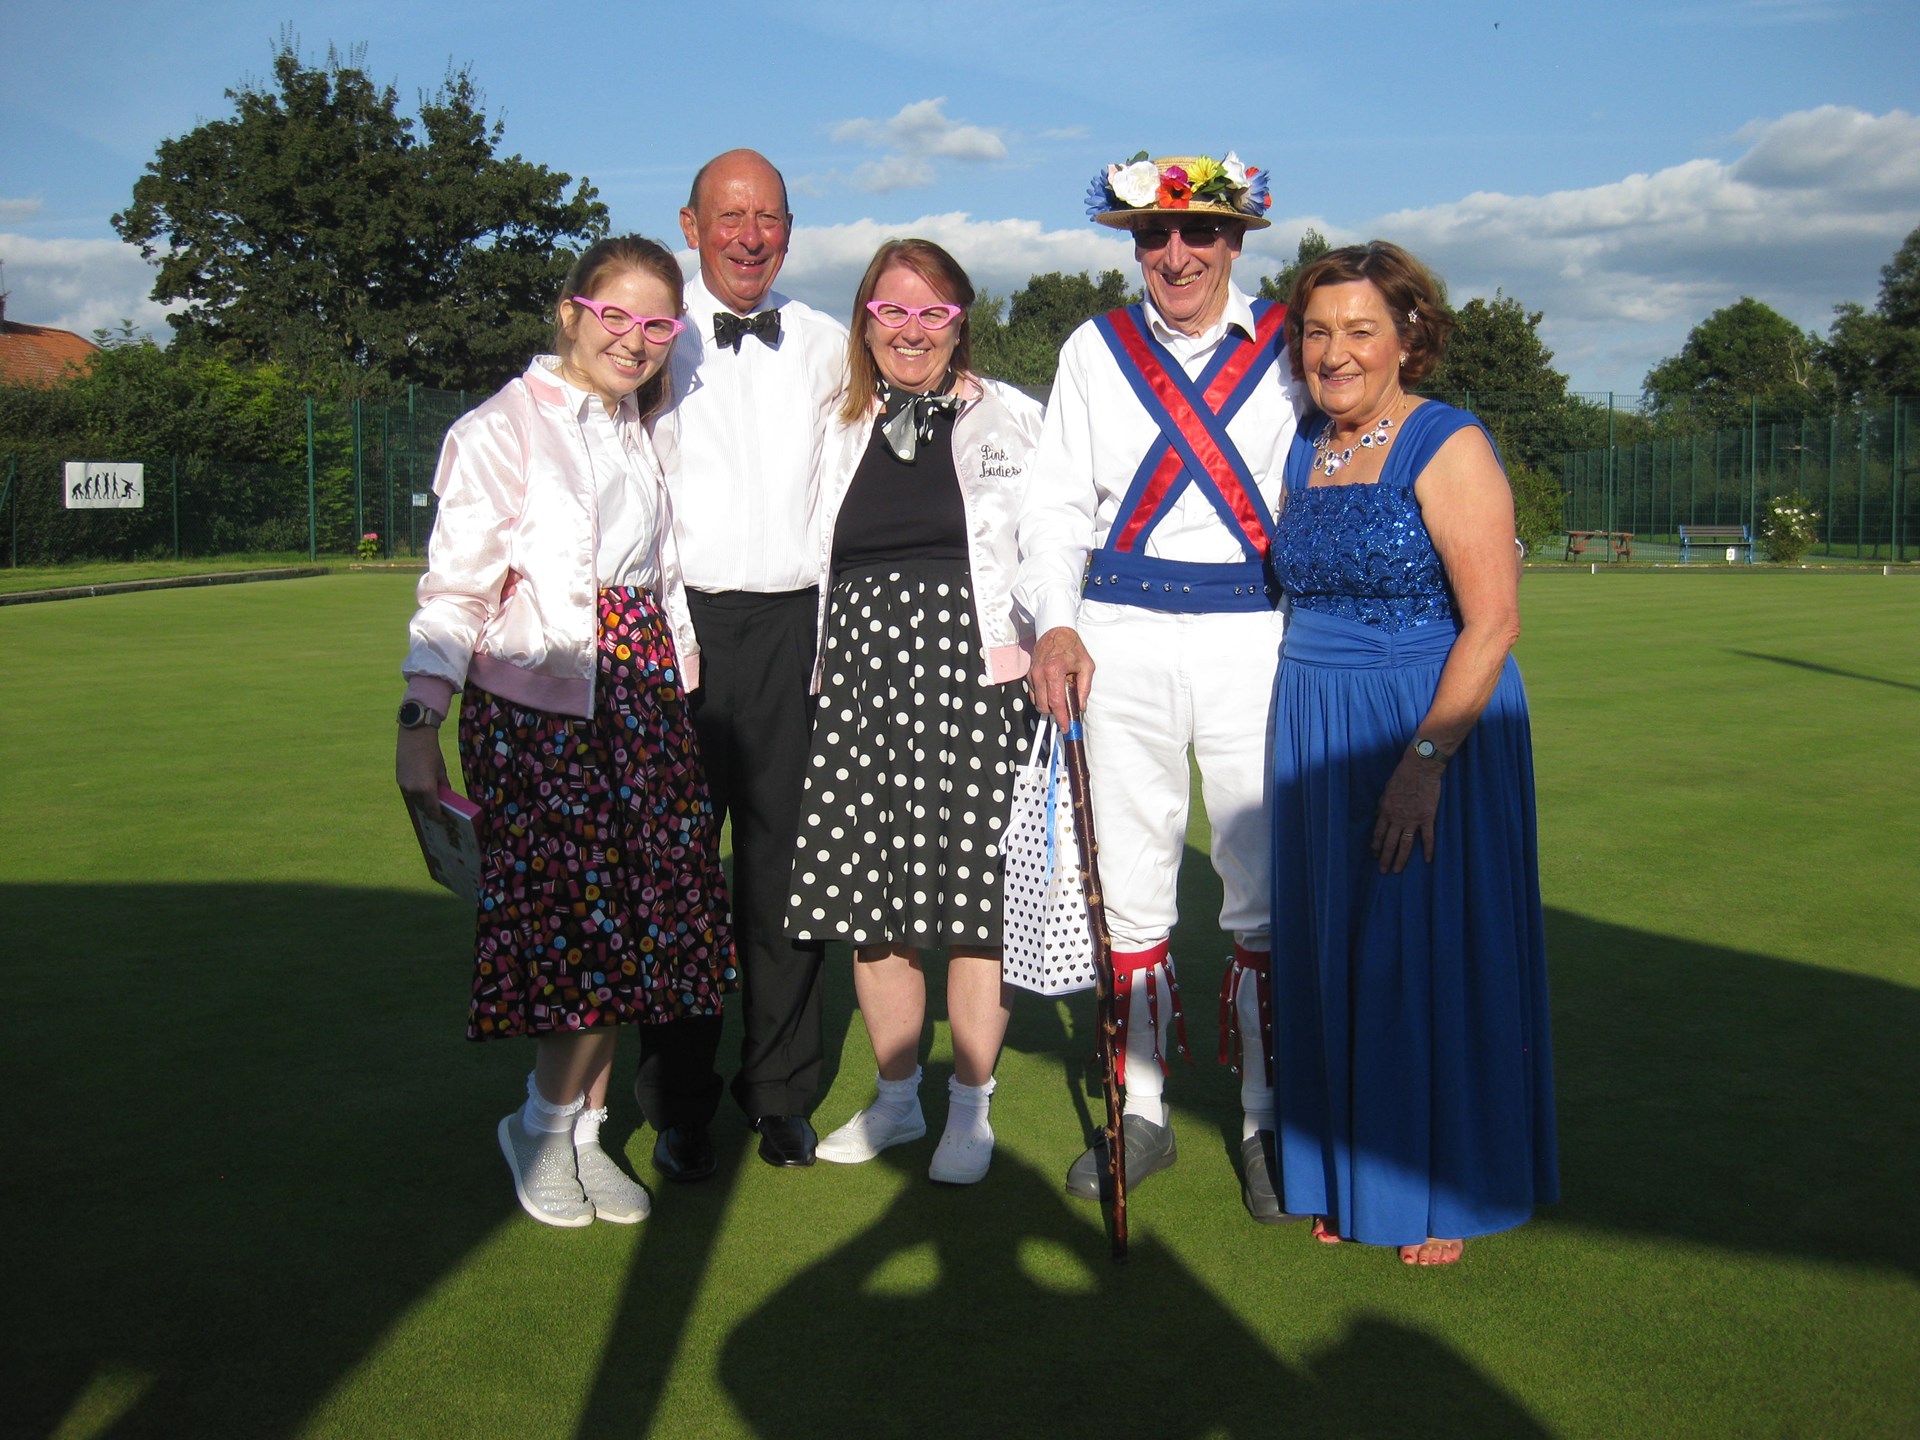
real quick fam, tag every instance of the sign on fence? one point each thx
(104, 485)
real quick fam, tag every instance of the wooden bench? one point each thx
(1619, 543)
(1734, 537)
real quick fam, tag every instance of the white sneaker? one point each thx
(870, 1132)
(962, 1157)
(613, 1194)
(544, 1175)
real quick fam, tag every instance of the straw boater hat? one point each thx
(1177, 186)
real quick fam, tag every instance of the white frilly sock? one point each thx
(967, 1107)
(540, 1117)
(896, 1097)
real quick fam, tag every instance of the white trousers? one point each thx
(1166, 687)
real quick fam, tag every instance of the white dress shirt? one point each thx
(626, 496)
(741, 445)
(1095, 436)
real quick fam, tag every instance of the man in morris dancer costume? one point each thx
(1144, 540)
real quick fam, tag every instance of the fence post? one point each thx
(386, 465)
(413, 444)
(8, 493)
(1860, 534)
(1833, 458)
(1606, 506)
(1896, 445)
(313, 551)
(359, 505)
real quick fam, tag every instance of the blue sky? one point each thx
(1625, 168)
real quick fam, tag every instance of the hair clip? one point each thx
(1413, 315)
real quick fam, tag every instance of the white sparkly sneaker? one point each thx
(962, 1157)
(870, 1132)
(613, 1194)
(544, 1174)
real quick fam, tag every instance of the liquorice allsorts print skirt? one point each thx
(602, 900)
(911, 770)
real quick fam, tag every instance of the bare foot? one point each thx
(1322, 1234)
(1434, 1252)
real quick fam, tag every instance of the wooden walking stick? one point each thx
(1106, 1016)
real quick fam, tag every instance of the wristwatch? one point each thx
(415, 716)
(1424, 748)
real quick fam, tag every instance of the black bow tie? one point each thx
(729, 327)
(907, 419)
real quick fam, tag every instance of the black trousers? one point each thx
(754, 720)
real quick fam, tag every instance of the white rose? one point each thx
(1236, 172)
(1135, 184)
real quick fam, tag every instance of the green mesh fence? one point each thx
(1855, 470)
(369, 471)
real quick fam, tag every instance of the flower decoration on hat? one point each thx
(1184, 182)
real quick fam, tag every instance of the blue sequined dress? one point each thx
(1413, 1074)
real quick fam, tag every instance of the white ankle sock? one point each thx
(967, 1107)
(541, 1117)
(1256, 1073)
(1146, 1086)
(897, 1097)
(586, 1125)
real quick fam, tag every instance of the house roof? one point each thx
(39, 354)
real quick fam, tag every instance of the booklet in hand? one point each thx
(449, 842)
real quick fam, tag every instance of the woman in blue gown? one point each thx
(1413, 1072)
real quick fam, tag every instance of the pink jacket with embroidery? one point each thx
(509, 598)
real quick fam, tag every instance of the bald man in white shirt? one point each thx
(755, 378)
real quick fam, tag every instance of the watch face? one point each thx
(412, 712)
(1424, 749)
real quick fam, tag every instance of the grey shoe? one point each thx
(613, 1194)
(1150, 1150)
(544, 1175)
(1259, 1188)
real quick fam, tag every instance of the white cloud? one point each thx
(17, 209)
(1802, 220)
(79, 285)
(912, 138)
(894, 172)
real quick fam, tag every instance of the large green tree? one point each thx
(1875, 353)
(1024, 346)
(1744, 354)
(1497, 365)
(319, 228)
(1280, 286)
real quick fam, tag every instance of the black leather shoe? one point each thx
(786, 1139)
(684, 1153)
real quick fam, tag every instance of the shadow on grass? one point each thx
(247, 1142)
(986, 1312)
(1825, 669)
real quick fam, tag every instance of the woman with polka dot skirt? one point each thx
(920, 721)
(553, 600)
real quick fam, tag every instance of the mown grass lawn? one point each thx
(252, 1187)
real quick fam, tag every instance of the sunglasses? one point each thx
(931, 317)
(658, 329)
(1194, 234)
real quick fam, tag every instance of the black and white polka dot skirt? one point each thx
(911, 771)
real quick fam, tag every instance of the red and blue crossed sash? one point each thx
(1193, 448)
